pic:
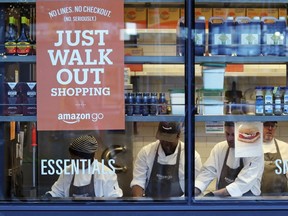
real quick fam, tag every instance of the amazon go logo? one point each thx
(73, 118)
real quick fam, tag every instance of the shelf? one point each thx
(18, 118)
(22, 59)
(155, 118)
(154, 59)
(238, 118)
(243, 60)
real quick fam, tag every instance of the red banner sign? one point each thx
(80, 65)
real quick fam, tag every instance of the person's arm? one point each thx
(58, 188)
(137, 191)
(221, 192)
(140, 172)
(209, 170)
(249, 177)
(198, 163)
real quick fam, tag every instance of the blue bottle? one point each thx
(221, 36)
(130, 104)
(248, 36)
(146, 101)
(199, 37)
(153, 108)
(273, 36)
(138, 104)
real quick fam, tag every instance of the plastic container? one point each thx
(177, 98)
(273, 36)
(213, 75)
(181, 37)
(213, 102)
(285, 101)
(199, 38)
(221, 36)
(248, 36)
(277, 101)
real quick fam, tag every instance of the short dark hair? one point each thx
(229, 124)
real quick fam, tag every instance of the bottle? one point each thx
(162, 108)
(277, 101)
(268, 101)
(259, 103)
(138, 104)
(285, 102)
(153, 104)
(23, 42)
(130, 103)
(145, 107)
(11, 37)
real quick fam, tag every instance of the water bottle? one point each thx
(130, 104)
(153, 104)
(138, 104)
(146, 101)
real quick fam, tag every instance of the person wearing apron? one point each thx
(273, 183)
(159, 168)
(164, 179)
(229, 180)
(81, 180)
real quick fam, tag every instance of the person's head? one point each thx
(169, 133)
(83, 147)
(269, 129)
(230, 134)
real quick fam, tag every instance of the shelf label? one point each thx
(80, 65)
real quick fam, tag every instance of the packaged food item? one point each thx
(259, 103)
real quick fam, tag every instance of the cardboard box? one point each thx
(135, 16)
(12, 99)
(163, 18)
(206, 12)
(29, 96)
(232, 12)
(262, 12)
(282, 12)
(134, 52)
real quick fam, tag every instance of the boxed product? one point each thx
(138, 16)
(262, 12)
(134, 52)
(12, 99)
(206, 12)
(28, 94)
(229, 12)
(163, 18)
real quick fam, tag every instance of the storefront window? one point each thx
(148, 101)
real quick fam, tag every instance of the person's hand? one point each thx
(197, 191)
(210, 194)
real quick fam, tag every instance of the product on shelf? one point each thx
(137, 109)
(285, 101)
(146, 101)
(277, 101)
(23, 41)
(28, 95)
(248, 36)
(11, 37)
(12, 99)
(259, 103)
(268, 101)
(153, 107)
(212, 72)
(177, 98)
(162, 108)
(221, 36)
(273, 36)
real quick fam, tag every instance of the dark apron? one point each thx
(164, 179)
(82, 191)
(273, 183)
(228, 175)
